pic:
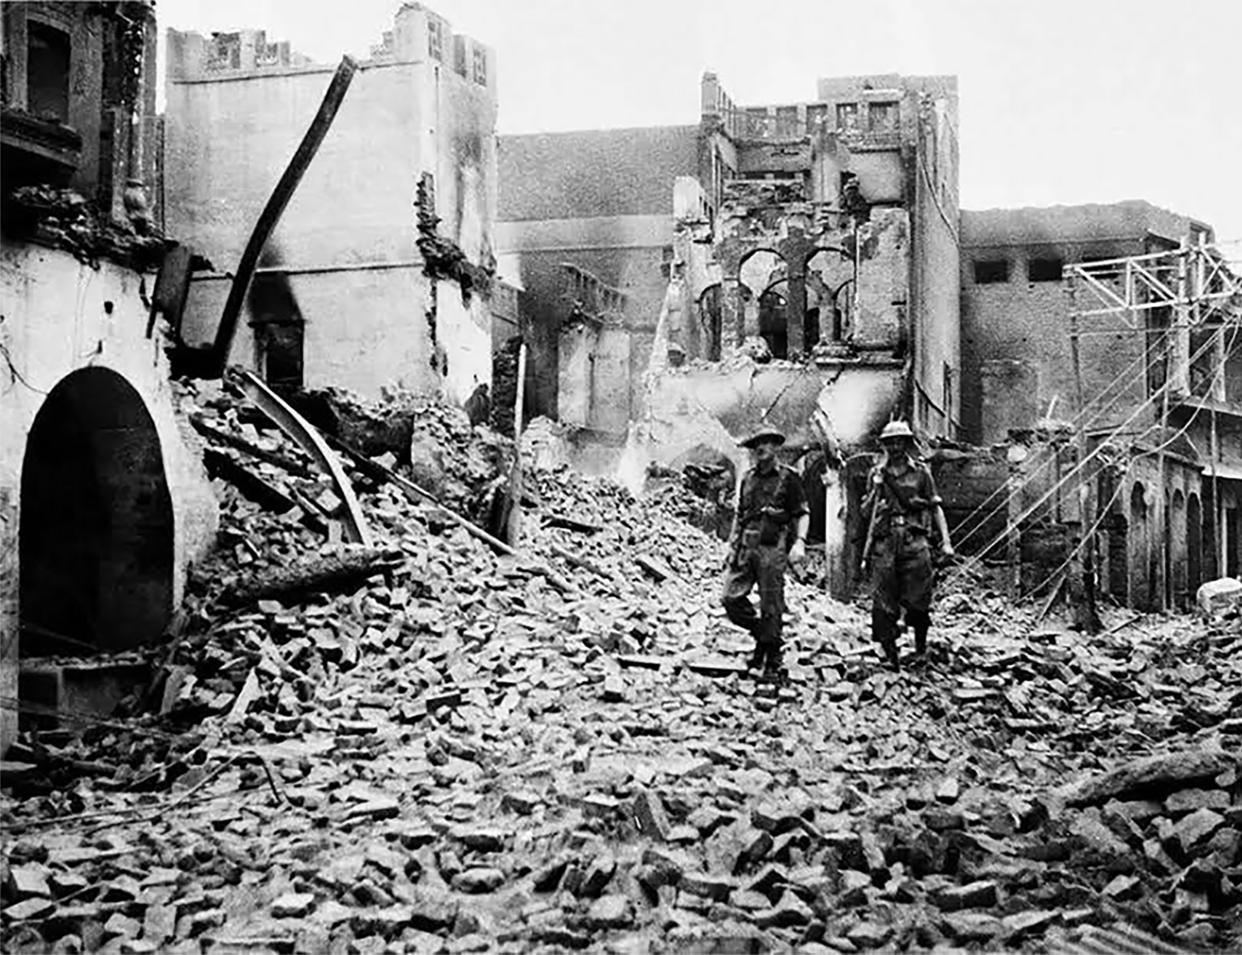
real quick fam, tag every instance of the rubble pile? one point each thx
(450, 752)
(64, 219)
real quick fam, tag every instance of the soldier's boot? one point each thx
(884, 632)
(920, 622)
(774, 667)
(758, 657)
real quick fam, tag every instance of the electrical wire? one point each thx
(1072, 473)
(1074, 422)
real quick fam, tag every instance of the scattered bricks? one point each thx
(650, 816)
(383, 808)
(1032, 922)
(610, 911)
(769, 880)
(1123, 888)
(598, 806)
(754, 845)
(665, 867)
(1189, 800)
(848, 849)
(749, 901)
(598, 874)
(854, 886)
(972, 926)
(67, 883)
(943, 820)
(683, 835)
(122, 889)
(707, 819)
(547, 878)
(1197, 827)
(1071, 918)
(1092, 832)
(159, 922)
(976, 895)
(293, 905)
(773, 818)
(433, 910)
(789, 911)
(521, 803)
(706, 886)
(481, 838)
(387, 922)
(948, 791)
(29, 910)
(1139, 810)
(866, 935)
(123, 926)
(615, 689)
(29, 881)
(1226, 845)
(479, 880)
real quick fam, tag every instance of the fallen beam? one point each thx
(381, 473)
(310, 440)
(314, 575)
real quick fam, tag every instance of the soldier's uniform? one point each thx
(769, 505)
(902, 571)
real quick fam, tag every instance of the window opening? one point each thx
(47, 71)
(991, 271)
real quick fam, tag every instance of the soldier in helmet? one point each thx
(770, 524)
(903, 506)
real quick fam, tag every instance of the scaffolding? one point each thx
(1172, 292)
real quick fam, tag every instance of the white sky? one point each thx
(1061, 101)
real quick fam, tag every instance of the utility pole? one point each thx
(1082, 567)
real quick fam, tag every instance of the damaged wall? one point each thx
(75, 347)
(417, 113)
(1014, 308)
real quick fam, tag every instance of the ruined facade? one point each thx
(1162, 386)
(103, 503)
(395, 289)
(790, 265)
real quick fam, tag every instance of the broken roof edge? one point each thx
(1125, 218)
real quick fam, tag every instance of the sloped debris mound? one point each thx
(450, 753)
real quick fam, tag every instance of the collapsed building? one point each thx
(103, 504)
(798, 266)
(790, 265)
(381, 270)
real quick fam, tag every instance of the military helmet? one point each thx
(896, 430)
(763, 434)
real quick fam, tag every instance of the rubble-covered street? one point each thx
(454, 750)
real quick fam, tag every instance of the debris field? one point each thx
(427, 746)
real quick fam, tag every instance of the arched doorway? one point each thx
(765, 310)
(1140, 580)
(1194, 544)
(96, 521)
(1177, 551)
(711, 331)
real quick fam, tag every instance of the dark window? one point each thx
(480, 67)
(882, 117)
(991, 271)
(435, 39)
(47, 71)
(1044, 270)
(847, 116)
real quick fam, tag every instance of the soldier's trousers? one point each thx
(902, 576)
(763, 567)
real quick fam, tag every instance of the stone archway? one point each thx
(1138, 534)
(96, 535)
(1177, 551)
(1194, 544)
